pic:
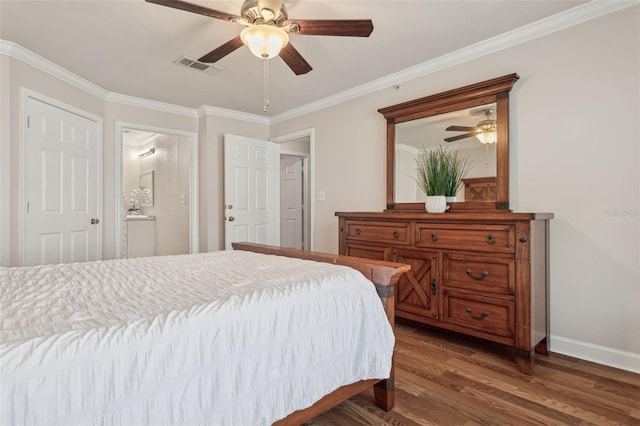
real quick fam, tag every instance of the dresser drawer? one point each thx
(492, 316)
(494, 274)
(383, 232)
(368, 252)
(493, 238)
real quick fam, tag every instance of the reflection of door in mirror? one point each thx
(464, 131)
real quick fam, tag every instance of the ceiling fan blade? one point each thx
(457, 138)
(220, 52)
(194, 8)
(294, 60)
(461, 128)
(333, 27)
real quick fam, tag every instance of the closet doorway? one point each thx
(296, 182)
(292, 201)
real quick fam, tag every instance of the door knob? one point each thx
(95, 221)
(231, 218)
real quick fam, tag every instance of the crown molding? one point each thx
(571, 17)
(233, 114)
(149, 104)
(18, 52)
(28, 57)
(566, 19)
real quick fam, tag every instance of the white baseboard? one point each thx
(595, 353)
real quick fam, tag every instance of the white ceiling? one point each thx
(128, 46)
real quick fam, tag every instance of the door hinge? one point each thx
(28, 122)
(27, 207)
(434, 286)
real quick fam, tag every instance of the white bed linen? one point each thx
(225, 338)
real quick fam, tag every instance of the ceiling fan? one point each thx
(267, 29)
(485, 130)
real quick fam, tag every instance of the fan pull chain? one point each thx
(266, 85)
(486, 155)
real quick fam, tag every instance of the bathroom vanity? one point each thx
(139, 237)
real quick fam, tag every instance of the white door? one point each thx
(250, 191)
(62, 186)
(291, 202)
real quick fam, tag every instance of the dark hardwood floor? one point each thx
(445, 379)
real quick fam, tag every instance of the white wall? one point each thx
(5, 160)
(301, 146)
(574, 152)
(130, 171)
(171, 164)
(406, 188)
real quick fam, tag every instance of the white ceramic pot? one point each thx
(436, 204)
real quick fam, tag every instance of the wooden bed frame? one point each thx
(384, 276)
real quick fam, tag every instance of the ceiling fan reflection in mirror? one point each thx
(485, 131)
(267, 29)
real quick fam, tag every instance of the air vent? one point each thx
(183, 61)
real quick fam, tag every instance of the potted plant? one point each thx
(439, 175)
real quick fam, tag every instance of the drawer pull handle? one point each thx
(357, 231)
(478, 278)
(523, 239)
(396, 234)
(482, 315)
(434, 236)
(491, 239)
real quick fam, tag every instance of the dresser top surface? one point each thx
(466, 216)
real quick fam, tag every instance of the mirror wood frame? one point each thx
(485, 92)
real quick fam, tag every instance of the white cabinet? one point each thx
(141, 237)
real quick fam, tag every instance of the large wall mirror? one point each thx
(472, 120)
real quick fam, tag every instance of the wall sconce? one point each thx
(146, 152)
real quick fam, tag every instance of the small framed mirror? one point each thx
(146, 182)
(473, 120)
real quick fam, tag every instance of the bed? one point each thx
(250, 336)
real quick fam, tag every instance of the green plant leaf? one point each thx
(440, 172)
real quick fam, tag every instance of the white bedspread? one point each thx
(225, 338)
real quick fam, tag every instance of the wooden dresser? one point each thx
(481, 274)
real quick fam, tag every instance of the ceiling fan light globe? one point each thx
(487, 131)
(264, 41)
(487, 137)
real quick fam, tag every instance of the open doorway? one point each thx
(296, 209)
(157, 212)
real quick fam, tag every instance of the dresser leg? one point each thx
(525, 361)
(542, 347)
